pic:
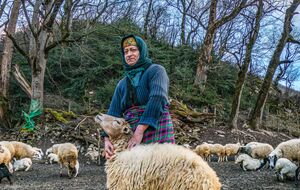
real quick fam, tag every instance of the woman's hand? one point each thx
(137, 136)
(109, 148)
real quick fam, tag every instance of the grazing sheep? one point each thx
(22, 164)
(248, 163)
(5, 158)
(152, 166)
(219, 150)
(203, 150)
(53, 158)
(231, 150)
(4, 172)
(10, 147)
(67, 155)
(285, 169)
(23, 150)
(288, 149)
(257, 150)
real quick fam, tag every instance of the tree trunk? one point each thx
(242, 75)
(6, 65)
(147, 19)
(256, 117)
(205, 57)
(206, 49)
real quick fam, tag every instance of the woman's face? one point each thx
(132, 55)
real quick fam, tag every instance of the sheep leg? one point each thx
(10, 182)
(61, 168)
(297, 176)
(28, 167)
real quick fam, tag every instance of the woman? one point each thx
(141, 97)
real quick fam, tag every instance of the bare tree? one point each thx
(6, 64)
(205, 51)
(147, 18)
(244, 69)
(256, 116)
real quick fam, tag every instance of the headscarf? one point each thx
(135, 72)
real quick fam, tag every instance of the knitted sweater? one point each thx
(152, 91)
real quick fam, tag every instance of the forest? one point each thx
(233, 67)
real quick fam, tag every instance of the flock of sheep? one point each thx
(156, 166)
(22, 154)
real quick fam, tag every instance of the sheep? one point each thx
(231, 149)
(257, 150)
(4, 172)
(298, 168)
(23, 150)
(53, 158)
(10, 147)
(248, 163)
(22, 164)
(288, 149)
(203, 150)
(39, 150)
(5, 158)
(285, 169)
(167, 166)
(218, 150)
(67, 155)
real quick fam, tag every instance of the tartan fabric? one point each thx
(163, 133)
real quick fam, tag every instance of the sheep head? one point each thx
(117, 129)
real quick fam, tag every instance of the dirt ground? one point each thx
(92, 176)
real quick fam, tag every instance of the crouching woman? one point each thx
(141, 97)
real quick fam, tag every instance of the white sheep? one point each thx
(203, 150)
(257, 150)
(67, 156)
(248, 163)
(285, 169)
(22, 164)
(219, 150)
(231, 149)
(5, 158)
(23, 150)
(53, 158)
(288, 149)
(152, 166)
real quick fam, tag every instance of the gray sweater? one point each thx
(152, 91)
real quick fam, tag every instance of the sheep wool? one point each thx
(153, 166)
(285, 169)
(5, 158)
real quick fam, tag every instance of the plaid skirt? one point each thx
(163, 133)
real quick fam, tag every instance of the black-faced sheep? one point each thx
(248, 163)
(257, 150)
(67, 156)
(4, 173)
(153, 166)
(288, 149)
(285, 169)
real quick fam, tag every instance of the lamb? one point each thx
(67, 155)
(4, 172)
(22, 164)
(288, 149)
(285, 169)
(23, 150)
(203, 150)
(53, 158)
(5, 158)
(248, 163)
(231, 150)
(143, 167)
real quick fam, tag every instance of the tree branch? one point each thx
(291, 39)
(22, 81)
